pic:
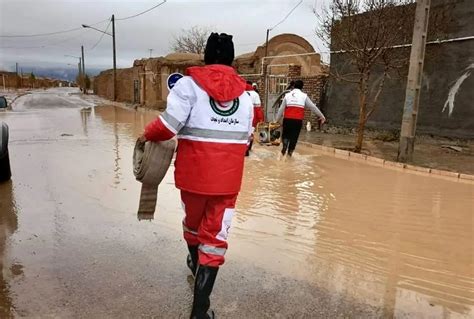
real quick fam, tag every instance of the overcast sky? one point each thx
(247, 20)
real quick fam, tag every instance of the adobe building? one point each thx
(295, 51)
(290, 57)
(145, 82)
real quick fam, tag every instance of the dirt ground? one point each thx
(431, 152)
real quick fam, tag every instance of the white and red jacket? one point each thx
(257, 106)
(212, 115)
(294, 104)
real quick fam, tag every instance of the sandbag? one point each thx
(151, 161)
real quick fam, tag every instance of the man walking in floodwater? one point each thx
(257, 112)
(212, 116)
(292, 107)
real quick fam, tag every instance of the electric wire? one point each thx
(49, 33)
(286, 17)
(101, 37)
(143, 12)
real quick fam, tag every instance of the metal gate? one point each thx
(276, 85)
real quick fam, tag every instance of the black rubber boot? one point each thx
(285, 146)
(205, 278)
(290, 153)
(192, 259)
(249, 148)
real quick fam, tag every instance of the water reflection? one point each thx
(8, 225)
(125, 126)
(85, 118)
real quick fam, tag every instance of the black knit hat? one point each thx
(219, 49)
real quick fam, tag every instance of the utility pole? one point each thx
(266, 43)
(115, 57)
(265, 76)
(17, 76)
(151, 52)
(79, 74)
(415, 75)
(114, 52)
(83, 71)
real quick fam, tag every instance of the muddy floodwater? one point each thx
(315, 236)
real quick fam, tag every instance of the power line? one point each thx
(101, 37)
(79, 28)
(47, 34)
(46, 45)
(143, 12)
(286, 17)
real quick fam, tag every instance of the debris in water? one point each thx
(452, 147)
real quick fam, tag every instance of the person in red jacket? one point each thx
(292, 109)
(211, 114)
(257, 111)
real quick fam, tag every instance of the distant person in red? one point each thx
(257, 111)
(211, 114)
(292, 109)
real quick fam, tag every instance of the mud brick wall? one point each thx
(12, 80)
(314, 87)
(294, 71)
(125, 85)
(103, 85)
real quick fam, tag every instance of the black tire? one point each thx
(263, 137)
(3, 138)
(3, 102)
(275, 135)
(5, 171)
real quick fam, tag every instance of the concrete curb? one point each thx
(390, 164)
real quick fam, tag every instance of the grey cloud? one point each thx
(246, 20)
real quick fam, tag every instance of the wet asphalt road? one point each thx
(314, 236)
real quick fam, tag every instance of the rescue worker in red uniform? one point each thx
(292, 109)
(211, 114)
(257, 111)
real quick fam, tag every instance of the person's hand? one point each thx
(142, 139)
(322, 120)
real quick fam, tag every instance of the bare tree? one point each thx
(366, 32)
(373, 36)
(191, 40)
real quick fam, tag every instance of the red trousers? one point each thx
(207, 223)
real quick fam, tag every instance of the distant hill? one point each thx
(59, 73)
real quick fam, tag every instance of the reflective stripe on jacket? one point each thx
(212, 138)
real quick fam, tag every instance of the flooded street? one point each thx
(315, 236)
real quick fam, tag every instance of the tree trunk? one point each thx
(360, 133)
(363, 92)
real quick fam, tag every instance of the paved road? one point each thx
(315, 236)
